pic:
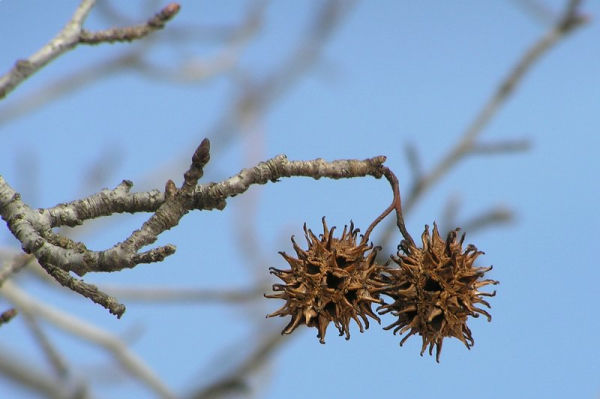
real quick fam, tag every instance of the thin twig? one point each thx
(130, 33)
(208, 196)
(87, 290)
(395, 205)
(64, 41)
(398, 204)
(72, 35)
(188, 71)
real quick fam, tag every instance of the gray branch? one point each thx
(72, 35)
(59, 255)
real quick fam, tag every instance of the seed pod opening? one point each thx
(435, 289)
(333, 281)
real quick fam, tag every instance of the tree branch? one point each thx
(87, 290)
(64, 41)
(72, 35)
(130, 33)
(59, 255)
(187, 71)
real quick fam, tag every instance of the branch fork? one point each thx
(60, 255)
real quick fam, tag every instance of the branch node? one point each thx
(196, 171)
(130, 33)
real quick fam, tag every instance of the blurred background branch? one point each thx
(568, 20)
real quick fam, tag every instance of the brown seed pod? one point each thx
(435, 289)
(332, 281)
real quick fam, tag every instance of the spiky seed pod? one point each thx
(435, 289)
(332, 281)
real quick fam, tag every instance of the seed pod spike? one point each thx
(435, 289)
(334, 280)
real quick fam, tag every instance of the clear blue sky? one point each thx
(395, 72)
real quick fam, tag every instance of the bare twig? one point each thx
(194, 70)
(72, 35)
(279, 167)
(127, 359)
(130, 33)
(64, 41)
(87, 290)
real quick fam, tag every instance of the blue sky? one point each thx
(393, 73)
